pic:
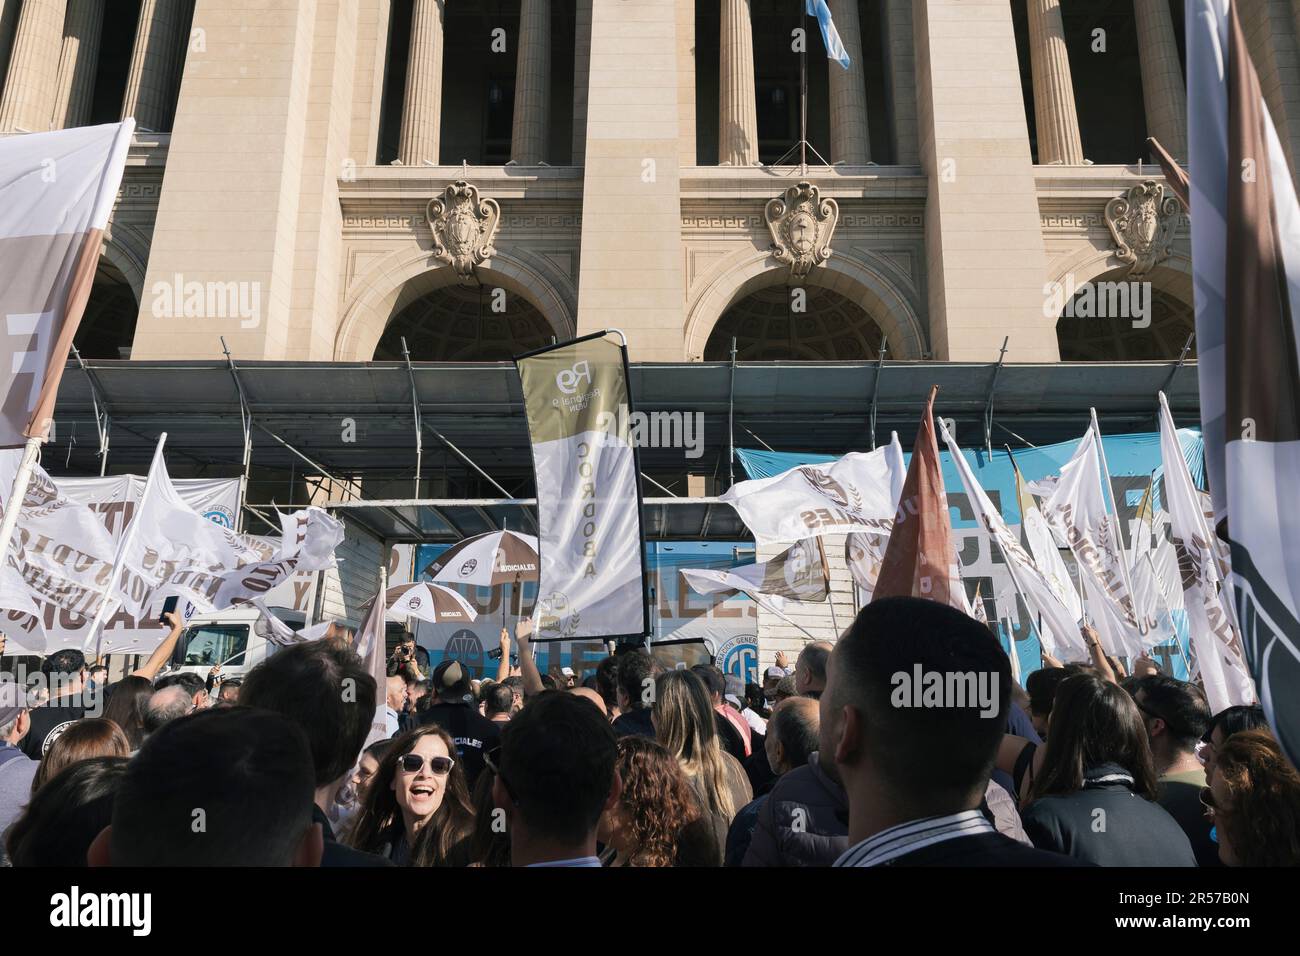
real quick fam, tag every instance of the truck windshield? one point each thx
(208, 644)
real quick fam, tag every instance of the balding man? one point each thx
(810, 669)
(805, 819)
(586, 693)
(167, 705)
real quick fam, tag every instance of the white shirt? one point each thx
(913, 835)
(391, 724)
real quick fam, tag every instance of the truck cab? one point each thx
(233, 638)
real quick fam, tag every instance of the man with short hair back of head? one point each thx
(555, 777)
(636, 679)
(913, 713)
(499, 703)
(194, 685)
(1176, 717)
(64, 675)
(230, 786)
(810, 669)
(328, 692)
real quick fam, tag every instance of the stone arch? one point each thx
(398, 279)
(1111, 339)
(872, 283)
(128, 252)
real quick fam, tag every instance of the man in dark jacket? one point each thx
(636, 680)
(804, 821)
(473, 733)
(305, 683)
(915, 763)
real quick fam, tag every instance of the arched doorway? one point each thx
(1119, 320)
(108, 326)
(811, 323)
(459, 323)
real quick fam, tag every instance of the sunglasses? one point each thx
(414, 763)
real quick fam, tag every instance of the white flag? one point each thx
(1224, 671)
(171, 548)
(858, 492)
(1060, 632)
(371, 648)
(1078, 512)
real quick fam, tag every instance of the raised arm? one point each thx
(528, 667)
(503, 665)
(163, 651)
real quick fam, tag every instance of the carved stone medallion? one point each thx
(801, 223)
(1142, 223)
(464, 226)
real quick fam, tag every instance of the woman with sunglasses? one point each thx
(416, 808)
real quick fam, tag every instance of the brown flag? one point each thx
(919, 559)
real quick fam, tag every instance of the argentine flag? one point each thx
(830, 36)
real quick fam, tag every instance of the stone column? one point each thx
(1163, 91)
(1054, 111)
(8, 26)
(75, 89)
(737, 106)
(27, 102)
(850, 141)
(151, 78)
(422, 105)
(532, 119)
(900, 68)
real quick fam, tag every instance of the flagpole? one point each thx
(128, 538)
(803, 92)
(14, 505)
(826, 574)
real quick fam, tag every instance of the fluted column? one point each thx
(27, 102)
(738, 109)
(151, 78)
(532, 84)
(850, 141)
(75, 89)
(1163, 92)
(422, 105)
(1055, 115)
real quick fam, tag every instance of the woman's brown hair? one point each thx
(441, 841)
(1093, 722)
(1262, 816)
(86, 738)
(655, 803)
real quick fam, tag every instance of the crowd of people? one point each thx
(825, 763)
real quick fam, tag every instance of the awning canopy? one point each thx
(355, 421)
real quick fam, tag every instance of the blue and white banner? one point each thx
(830, 36)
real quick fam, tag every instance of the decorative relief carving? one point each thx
(464, 225)
(801, 223)
(1142, 222)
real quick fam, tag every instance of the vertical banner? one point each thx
(590, 540)
(1246, 279)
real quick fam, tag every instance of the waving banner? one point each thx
(591, 579)
(67, 534)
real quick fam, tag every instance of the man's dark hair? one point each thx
(607, 681)
(1041, 685)
(557, 764)
(796, 728)
(326, 690)
(65, 663)
(248, 770)
(66, 814)
(715, 682)
(635, 670)
(500, 699)
(1180, 705)
(1236, 718)
(934, 755)
(192, 682)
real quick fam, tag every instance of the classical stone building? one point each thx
(638, 162)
